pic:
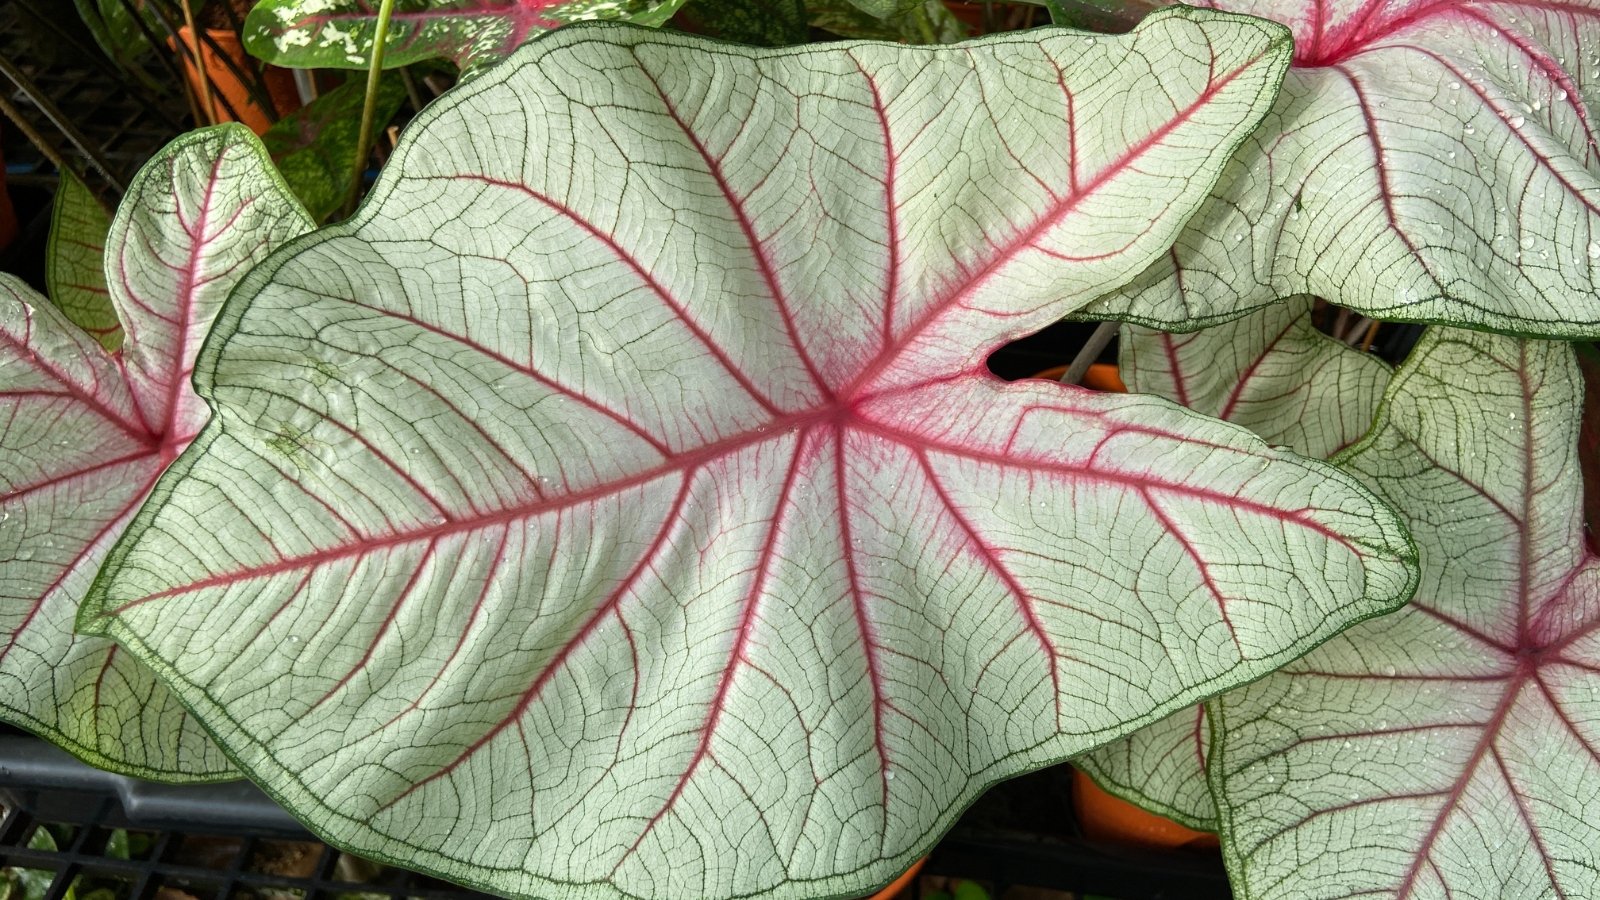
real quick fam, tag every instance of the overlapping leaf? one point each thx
(338, 34)
(1452, 748)
(1427, 161)
(1277, 375)
(75, 271)
(84, 433)
(619, 504)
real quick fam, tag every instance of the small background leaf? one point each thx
(315, 147)
(764, 23)
(75, 272)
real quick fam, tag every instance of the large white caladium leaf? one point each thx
(619, 505)
(84, 433)
(1451, 749)
(1275, 373)
(338, 34)
(1427, 161)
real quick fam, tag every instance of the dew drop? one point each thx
(1527, 242)
(889, 774)
(1516, 121)
(1471, 130)
(1561, 96)
(1594, 249)
(1388, 671)
(1455, 85)
(1237, 237)
(294, 639)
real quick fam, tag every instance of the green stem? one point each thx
(369, 109)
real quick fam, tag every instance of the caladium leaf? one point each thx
(1276, 374)
(315, 146)
(619, 504)
(338, 34)
(75, 272)
(929, 23)
(1452, 748)
(1427, 161)
(766, 23)
(84, 433)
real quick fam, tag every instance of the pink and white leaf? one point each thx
(1428, 160)
(1448, 749)
(1276, 374)
(619, 505)
(84, 433)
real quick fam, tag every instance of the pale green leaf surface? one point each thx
(75, 271)
(1426, 161)
(1451, 749)
(619, 504)
(84, 433)
(1276, 374)
(338, 34)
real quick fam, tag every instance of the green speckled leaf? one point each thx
(337, 34)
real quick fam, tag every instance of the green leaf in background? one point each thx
(1434, 162)
(75, 262)
(1450, 749)
(315, 147)
(625, 476)
(1276, 374)
(883, 9)
(764, 23)
(84, 434)
(337, 34)
(928, 23)
(116, 30)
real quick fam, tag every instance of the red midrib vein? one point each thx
(623, 256)
(680, 464)
(1028, 236)
(1020, 594)
(612, 602)
(1100, 475)
(1491, 731)
(747, 621)
(758, 249)
(76, 391)
(188, 283)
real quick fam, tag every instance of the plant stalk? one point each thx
(369, 109)
(62, 124)
(204, 80)
(1090, 352)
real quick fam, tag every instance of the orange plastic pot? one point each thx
(1105, 817)
(279, 82)
(1100, 377)
(901, 885)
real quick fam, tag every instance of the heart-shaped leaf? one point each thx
(1276, 374)
(1427, 161)
(619, 504)
(338, 34)
(84, 433)
(1452, 748)
(75, 271)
